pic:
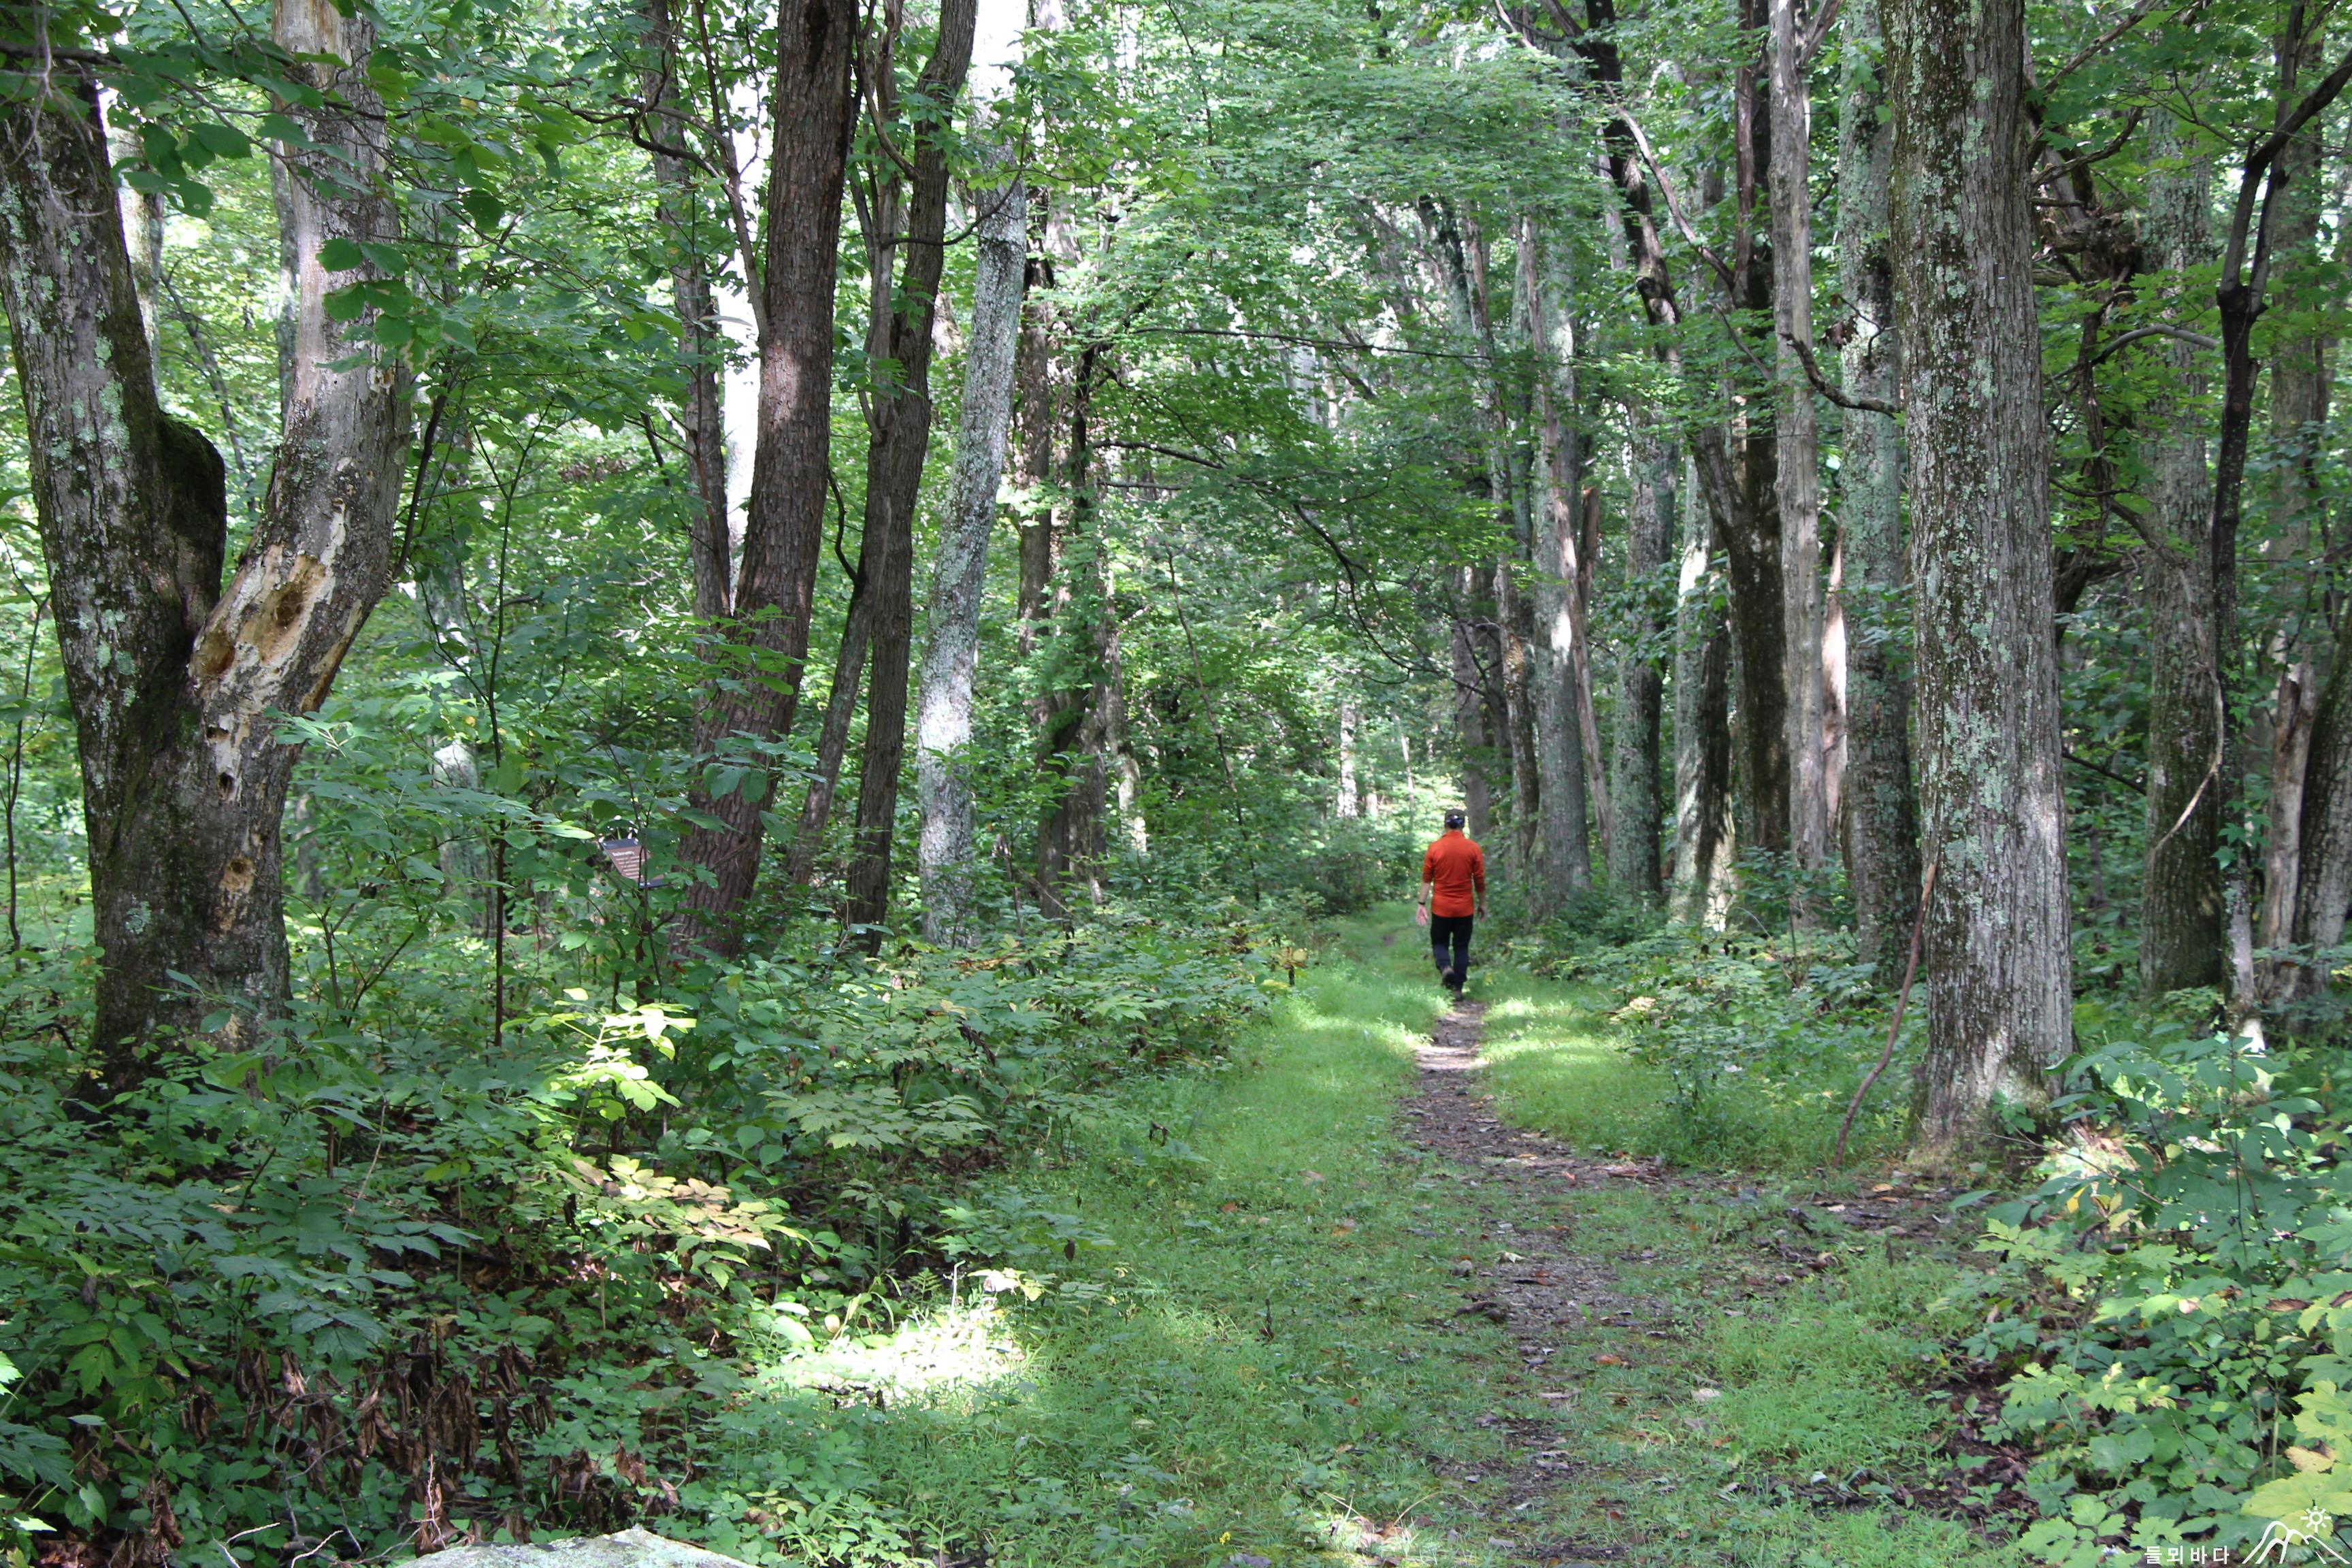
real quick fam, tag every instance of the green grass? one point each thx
(1276, 1365)
(1558, 1065)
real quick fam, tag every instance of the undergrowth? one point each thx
(355, 1289)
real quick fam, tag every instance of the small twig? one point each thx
(1910, 972)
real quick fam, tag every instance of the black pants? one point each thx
(1451, 932)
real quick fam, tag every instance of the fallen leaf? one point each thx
(1704, 1395)
(1310, 1177)
(1608, 1360)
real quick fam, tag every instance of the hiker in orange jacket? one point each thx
(1452, 892)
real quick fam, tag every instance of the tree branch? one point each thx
(1860, 403)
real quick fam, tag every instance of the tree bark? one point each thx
(894, 468)
(2296, 713)
(1347, 801)
(701, 341)
(2323, 882)
(1704, 845)
(1033, 408)
(1881, 811)
(943, 720)
(2299, 359)
(1998, 961)
(1634, 868)
(1751, 516)
(1565, 859)
(175, 683)
(2180, 883)
(1796, 483)
(832, 740)
(757, 691)
(1470, 712)
(1083, 659)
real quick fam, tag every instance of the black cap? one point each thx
(1453, 819)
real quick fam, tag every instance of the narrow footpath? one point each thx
(1626, 1289)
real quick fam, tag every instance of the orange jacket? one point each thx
(1455, 868)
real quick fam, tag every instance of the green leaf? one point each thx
(341, 255)
(485, 209)
(222, 141)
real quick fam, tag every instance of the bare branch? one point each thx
(1860, 403)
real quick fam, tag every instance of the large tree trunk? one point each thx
(1565, 862)
(701, 341)
(1881, 814)
(2181, 884)
(176, 684)
(943, 719)
(894, 464)
(758, 690)
(1998, 1001)
(1796, 483)
(1634, 868)
(1750, 513)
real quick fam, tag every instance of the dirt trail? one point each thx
(1610, 1358)
(1525, 1274)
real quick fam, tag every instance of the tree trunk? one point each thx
(1704, 845)
(174, 683)
(1797, 486)
(2297, 712)
(1470, 714)
(2299, 359)
(1751, 519)
(2181, 884)
(1515, 617)
(893, 466)
(943, 720)
(2324, 883)
(1881, 812)
(1999, 997)
(1565, 863)
(758, 690)
(701, 341)
(1033, 393)
(833, 740)
(1347, 801)
(1634, 868)
(1069, 840)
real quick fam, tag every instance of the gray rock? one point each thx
(629, 1549)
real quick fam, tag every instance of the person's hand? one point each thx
(1421, 914)
(1482, 911)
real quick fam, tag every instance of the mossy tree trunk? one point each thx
(1999, 997)
(176, 682)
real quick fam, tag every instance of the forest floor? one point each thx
(1372, 1311)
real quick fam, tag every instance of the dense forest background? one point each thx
(645, 640)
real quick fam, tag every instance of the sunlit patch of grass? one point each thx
(943, 1351)
(1830, 1380)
